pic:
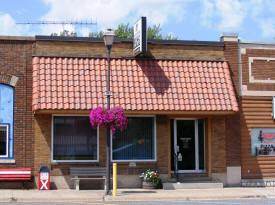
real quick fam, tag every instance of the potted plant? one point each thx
(150, 179)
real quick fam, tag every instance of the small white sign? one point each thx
(132, 164)
(44, 175)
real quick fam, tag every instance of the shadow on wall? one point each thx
(155, 75)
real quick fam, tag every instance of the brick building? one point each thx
(178, 99)
(257, 91)
(16, 117)
(252, 133)
(209, 101)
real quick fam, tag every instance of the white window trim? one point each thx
(52, 135)
(7, 140)
(155, 143)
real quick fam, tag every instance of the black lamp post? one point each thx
(108, 40)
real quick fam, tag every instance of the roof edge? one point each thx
(141, 112)
(17, 38)
(120, 40)
(258, 42)
(179, 58)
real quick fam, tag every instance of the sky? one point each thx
(205, 20)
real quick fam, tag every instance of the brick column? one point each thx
(233, 137)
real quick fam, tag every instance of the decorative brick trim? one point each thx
(251, 77)
(8, 79)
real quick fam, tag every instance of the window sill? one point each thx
(72, 162)
(7, 161)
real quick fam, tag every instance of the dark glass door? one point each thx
(189, 145)
(186, 149)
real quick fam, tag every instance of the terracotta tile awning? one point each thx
(142, 85)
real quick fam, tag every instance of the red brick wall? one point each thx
(261, 69)
(16, 60)
(218, 145)
(125, 50)
(233, 139)
(257, 110)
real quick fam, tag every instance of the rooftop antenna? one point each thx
(63, 23)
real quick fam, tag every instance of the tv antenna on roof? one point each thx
(63, 23)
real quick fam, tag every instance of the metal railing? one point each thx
(176, 166)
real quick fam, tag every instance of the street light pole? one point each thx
(108, 130)
(108, 40)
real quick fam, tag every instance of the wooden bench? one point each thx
(15, 174)
(88, 173)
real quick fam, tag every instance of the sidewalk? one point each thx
(67, 195)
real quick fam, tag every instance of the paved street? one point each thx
(254, 201)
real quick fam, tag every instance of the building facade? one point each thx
(257, 91)
(16, 116)
(179, 100)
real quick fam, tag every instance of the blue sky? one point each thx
(253, 20)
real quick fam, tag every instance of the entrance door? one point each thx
(189, 143)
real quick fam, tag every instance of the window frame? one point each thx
(155, 143)
(52, 138)
(10, 156)
(7, 125)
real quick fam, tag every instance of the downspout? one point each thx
(240, 67)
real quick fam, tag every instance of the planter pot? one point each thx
(148, 185)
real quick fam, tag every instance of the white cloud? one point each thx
(207, 13)
(110, 13)
(55, 28)
(232, 13)
(223, 14)
(9, 26)
(268, 27)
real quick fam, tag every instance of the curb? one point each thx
(134, 195)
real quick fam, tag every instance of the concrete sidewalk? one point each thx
(67, 195)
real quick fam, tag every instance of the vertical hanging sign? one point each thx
(140, 37)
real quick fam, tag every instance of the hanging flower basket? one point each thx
(110, 119)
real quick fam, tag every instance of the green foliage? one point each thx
(96, 34)
(124, 31)
(127, 31)
(152, 176)
(154, 32)
(65, 33)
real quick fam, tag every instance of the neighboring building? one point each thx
(257, 90)
(179, 99)
(16, 117)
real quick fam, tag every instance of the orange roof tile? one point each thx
(159, 85)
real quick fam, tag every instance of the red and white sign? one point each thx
(263, 142)
(44, 181)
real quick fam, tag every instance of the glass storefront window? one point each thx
(136, 142)
(74, 139)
